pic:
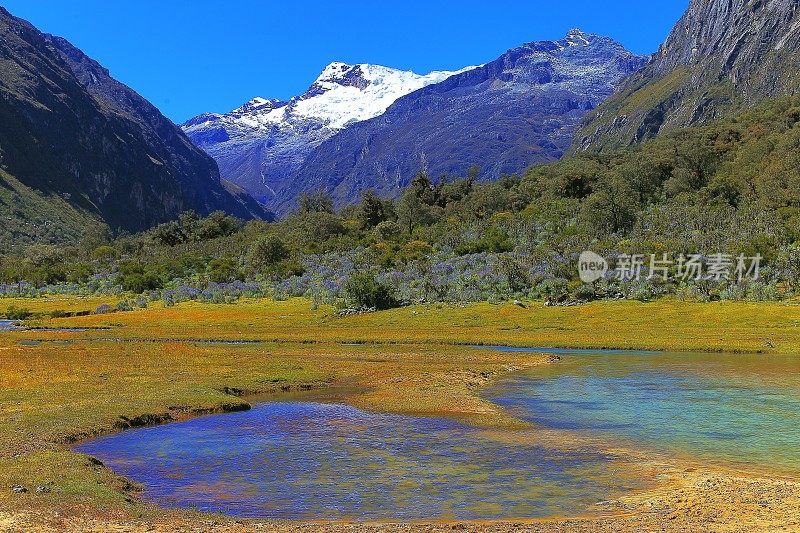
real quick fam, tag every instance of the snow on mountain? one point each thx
(367, 126)
(261, 142)
(344, 94)
(514, 112)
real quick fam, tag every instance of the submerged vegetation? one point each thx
(730, 188)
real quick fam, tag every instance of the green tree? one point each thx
(372, 210)
(363, 291)
(217, 224)
(613, 207)
(415, 206)
(169, 234)
(318, 202)
(267, 252)
(136, 278)
(223, 270)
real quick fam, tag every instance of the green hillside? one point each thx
(30, 216)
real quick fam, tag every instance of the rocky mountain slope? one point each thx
(722, 56)
(262, 142)
(503, 116)
(69, 132)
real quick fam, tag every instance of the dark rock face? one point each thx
(68, 129)
(518, 110)
(722, 56)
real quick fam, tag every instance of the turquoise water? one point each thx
(318, 461)
(728, 407)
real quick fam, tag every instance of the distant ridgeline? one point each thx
(365, 126)
(732, 187)
(80, 151)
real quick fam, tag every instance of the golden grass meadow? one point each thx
(59, 385)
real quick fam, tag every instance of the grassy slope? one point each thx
(51, 392)
(30, 216)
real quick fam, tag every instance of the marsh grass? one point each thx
(157, 364)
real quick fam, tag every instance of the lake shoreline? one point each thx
(695, 482)
(420, 378)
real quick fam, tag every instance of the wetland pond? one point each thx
(734, 408)
(306, 460)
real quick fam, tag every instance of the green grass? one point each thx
(28, 216)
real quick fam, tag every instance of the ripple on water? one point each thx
(329, 461)
(740, 408)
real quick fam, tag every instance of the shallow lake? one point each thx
(742, 408)
(309, 460)
(304, 460)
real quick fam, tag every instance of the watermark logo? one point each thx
(591, 267)
(694, 267)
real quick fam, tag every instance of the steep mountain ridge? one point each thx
(68, 130)
(262, 142)
(721, 56)
(504, 116)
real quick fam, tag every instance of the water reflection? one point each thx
(302, 460)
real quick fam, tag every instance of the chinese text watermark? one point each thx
(682, 267)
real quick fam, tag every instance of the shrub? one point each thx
(223, 270)
(362, 291)
(103, 309)
(494, 240)
(584, 293)
(763, 292)
(551, 288)
(217, 224)
(169, 234)
(104, 254)
(267, 252)
(415, 250)
(136, 279)
(387, 230)
(691, 293)
(18, 313)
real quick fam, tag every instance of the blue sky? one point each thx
(192, 56)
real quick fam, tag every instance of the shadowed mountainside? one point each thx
(71, 133)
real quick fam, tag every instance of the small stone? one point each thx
(41, 489)
(520, 304)
(18, 489)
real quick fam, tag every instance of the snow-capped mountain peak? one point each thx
(493, 116)
(285, 132)
(343, 94)
(257, 104)
(577, 37)
(336, 72)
